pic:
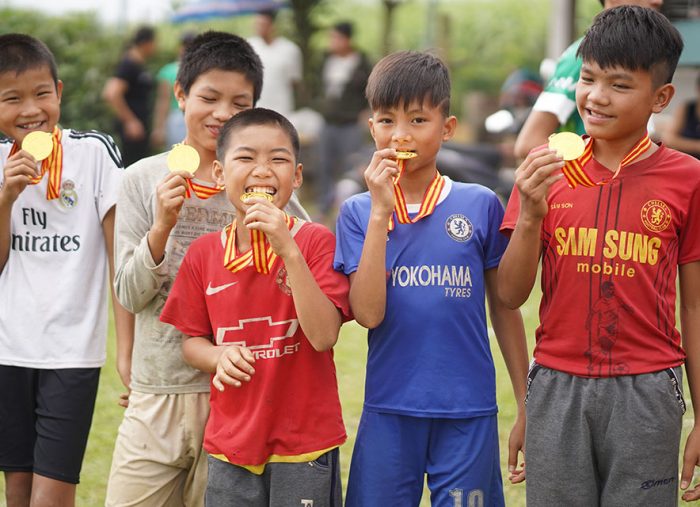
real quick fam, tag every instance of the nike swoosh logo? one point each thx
(213, 290)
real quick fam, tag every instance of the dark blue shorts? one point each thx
(393, 453)
(45, 418)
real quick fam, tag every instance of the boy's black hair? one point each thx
(20, 52)
(221, 51)
(409, 76)
(268, 13)
(144, 34)
(345, 28)
(255, 117)
(634, 38)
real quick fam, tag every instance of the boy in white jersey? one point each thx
(56, 229)
(158, 457)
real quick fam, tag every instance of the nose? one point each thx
(596, 93)
(30, 108)
(401, 134)
(223, 112)
(262, 169)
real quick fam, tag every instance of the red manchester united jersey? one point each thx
(291, 404)
(609, 260)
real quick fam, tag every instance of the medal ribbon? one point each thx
(260, 254)
(201, 191)
(576, 175)
(427, 206)
(53, 164)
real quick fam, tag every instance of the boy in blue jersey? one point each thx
(422, 253)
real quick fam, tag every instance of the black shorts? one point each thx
(45, 418)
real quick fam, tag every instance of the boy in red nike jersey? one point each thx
(261, 307)
(605, 402)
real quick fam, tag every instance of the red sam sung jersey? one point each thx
(291, 404)
(610, 255)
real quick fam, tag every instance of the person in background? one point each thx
(683, 133)
(168, 119)
(128, 92)
(282, 64)
(344, 75)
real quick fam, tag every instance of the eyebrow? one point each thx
(251, 149)
(616, 75)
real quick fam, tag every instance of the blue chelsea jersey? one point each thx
(430, 357)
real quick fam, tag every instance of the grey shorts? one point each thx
(606, 442)
(310, 484)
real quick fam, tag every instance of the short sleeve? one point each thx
(689, 250)
(350, 237)
(126, 70)
(334, 285)
(511, 214)
(110, 173)
(495, 243)
(186, 308)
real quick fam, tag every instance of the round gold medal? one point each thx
(183, 158)
(250, 195)
(569, 145)
(38, 144)
(405, 155)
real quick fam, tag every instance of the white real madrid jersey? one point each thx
(53, 289)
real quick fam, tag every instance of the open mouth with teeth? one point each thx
(261, 192)
(31, 126)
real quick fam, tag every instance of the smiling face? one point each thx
(214, 97)
(258, 158)
(29, 101)
(421, 128)
(615, 103)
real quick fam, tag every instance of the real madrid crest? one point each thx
(459, 227)
(68, 196)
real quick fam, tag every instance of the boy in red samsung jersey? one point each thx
(605, 403)
(261, 307)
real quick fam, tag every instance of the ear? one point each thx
(370, 122)
(449, 127)
(298, 178)
(180, 95)
(662, 97)
(59, 90)
(217, 171)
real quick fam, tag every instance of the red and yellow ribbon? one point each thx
(260, 254)
(427, 206)
(576, 175)
(201, 191)
(53, 164)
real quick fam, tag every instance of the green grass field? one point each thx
(350, 355)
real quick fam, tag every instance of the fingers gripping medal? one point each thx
(38, 144)
(183, 158)
(567, 144)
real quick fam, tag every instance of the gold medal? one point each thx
(250, 195)
(405, 155)
(38, 144)
(183, 158)
(567, 144)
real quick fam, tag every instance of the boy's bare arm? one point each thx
(510, 333)
(689, 276)
(368, 283)
(123, 319)
(319, 318)
(18, 171)
(518, 268)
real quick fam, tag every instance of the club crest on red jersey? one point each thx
(656, 215)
